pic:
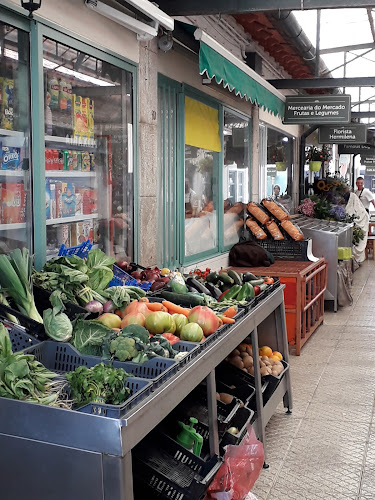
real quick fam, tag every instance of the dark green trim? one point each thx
(13, 18)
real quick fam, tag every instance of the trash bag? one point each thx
(241, 468)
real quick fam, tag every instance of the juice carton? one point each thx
(90, 201)
(53, 86)
(63, 232)
(58, 198)
(77, 116)
(86, 165)
(13, 202)
(10, 158)
(85, 103)
(7, 104)
(48, 200)
(68, 199)
(91, 119)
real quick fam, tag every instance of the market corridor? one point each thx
(326, 448)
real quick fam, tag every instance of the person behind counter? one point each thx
(364, 194)
(276, 191)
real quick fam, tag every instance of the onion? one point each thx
(108, 307)
(233, 430)
(94, 306)
(136, 275)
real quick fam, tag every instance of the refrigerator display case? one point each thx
(88, 152)
(15, 184)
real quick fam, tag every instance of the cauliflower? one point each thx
(123, 348)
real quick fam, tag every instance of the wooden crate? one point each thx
(305, 284)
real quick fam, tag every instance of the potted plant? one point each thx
(315, 156)
(278, 156)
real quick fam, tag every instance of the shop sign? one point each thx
(370, 170)
(271, 171)
(350, 134)
(368, 161)
(355, 149)
(322, 109)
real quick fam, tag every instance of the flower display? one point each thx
(314, 153)
(307, 207)
(338, 212)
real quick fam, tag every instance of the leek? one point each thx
(15, 279)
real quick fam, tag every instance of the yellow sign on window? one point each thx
(201, 125)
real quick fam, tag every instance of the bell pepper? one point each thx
(246, 292)
(232, 292)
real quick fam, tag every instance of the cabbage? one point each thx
(56, 322)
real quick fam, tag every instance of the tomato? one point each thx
(172, 338)
(256, 290)
(160, 322)
(192, 333)
(205, 318)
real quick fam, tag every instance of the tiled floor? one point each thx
(326, 448)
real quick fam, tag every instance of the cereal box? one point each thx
(86, 165)
(79, 200)
(68, 199)
(74, 160)
(90, 201)
(63, 235)
(10, 158)
(58, 198)
(7, 111)
(52, 190)
(13, 203)
(81, 231)
(48, 200)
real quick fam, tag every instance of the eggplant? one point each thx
(214, 290)
(198, 286)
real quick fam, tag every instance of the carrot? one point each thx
(175, 309)
(155, 306)
(230, 312)
(268, 280)
(143, 299)
(220, 321)
(224, 319)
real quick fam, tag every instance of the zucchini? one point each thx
(213, 277)
(256, 282)
(227, 280)
(183, 299)
(248, 277)
(197, 285)
(214, 290)
(262, 287)
(192, 289)
(235, 277)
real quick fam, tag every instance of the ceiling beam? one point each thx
(209, 7)
(323, 83)
(348, 48)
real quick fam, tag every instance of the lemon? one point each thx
(164, 271)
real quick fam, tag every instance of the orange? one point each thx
(265, 351)
(278, 355)
(274, 358)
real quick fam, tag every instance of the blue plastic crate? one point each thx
(121, 278)
(62, 357)
(81, 250)
(191, 348)
(20, 339)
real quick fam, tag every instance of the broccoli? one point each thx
(136, 331)
(123, 348)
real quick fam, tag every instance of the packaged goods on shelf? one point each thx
(48, 200)
(91, 119)
(74, 160)
(52, 191)
(79, 200)
(63, 233)
(96, 231)
(85, 118)
(7, 112)
(10, 158)
(92, 162)
(90, 201)
(86, 162)
(58, 196)
(77, 116)
(68, 199)
(81, 231)
(13, 203)
(53, 91)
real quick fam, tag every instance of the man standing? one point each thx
(364, 194)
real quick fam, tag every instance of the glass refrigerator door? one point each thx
(15, 192)
(88, 155)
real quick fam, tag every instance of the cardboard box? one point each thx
(13, 203)
(58, 197)
(48, 200)
(77, 116)
(90, 201)
(7, 111)
(79, 200)
(10, 158)
(81, 231)
(52, 190)
(86, 163)
(68, 199)
(63, 232)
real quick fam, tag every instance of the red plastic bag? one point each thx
(241, 468)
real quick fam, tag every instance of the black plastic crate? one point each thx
(61, 357)
(230, 382)
(35, 328)
(42, 302)
(19, 338)
(286, 249)
(164, 469)
(240, 420)
(225, 367)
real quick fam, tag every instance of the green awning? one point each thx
(237, 77)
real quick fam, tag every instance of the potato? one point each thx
(267, 363)
(264, 358)
(262, 363)
(247, 362)
(263, 371)
(242, 347)
(218, 396)
(237, 361)
(251, 370)
(234, 353)
(244, 354)
(269, 370)
(226, 398)
(249, 350)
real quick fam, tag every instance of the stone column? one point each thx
(147, 153)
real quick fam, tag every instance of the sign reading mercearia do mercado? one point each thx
(321, 109)
(349, 134)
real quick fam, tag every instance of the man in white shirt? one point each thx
(364, 194)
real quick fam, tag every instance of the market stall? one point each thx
(99, 448)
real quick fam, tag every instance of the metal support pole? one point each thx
(317, 48)
(212, 414)
(302, 146)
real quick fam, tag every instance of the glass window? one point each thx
(279, 167)
(236, 175)
(89, 152)
(15, 186)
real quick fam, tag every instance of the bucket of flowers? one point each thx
(278, 156)
(315, 156)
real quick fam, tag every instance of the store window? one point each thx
(202, 147)
(15, 184)
(89, 151)
(235, 175)
(279, 167)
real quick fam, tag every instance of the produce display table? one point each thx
(305, 284)
(89, 456)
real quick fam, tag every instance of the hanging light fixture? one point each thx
(31, 6)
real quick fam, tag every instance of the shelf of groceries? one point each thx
(11, 133)
(13, 226)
